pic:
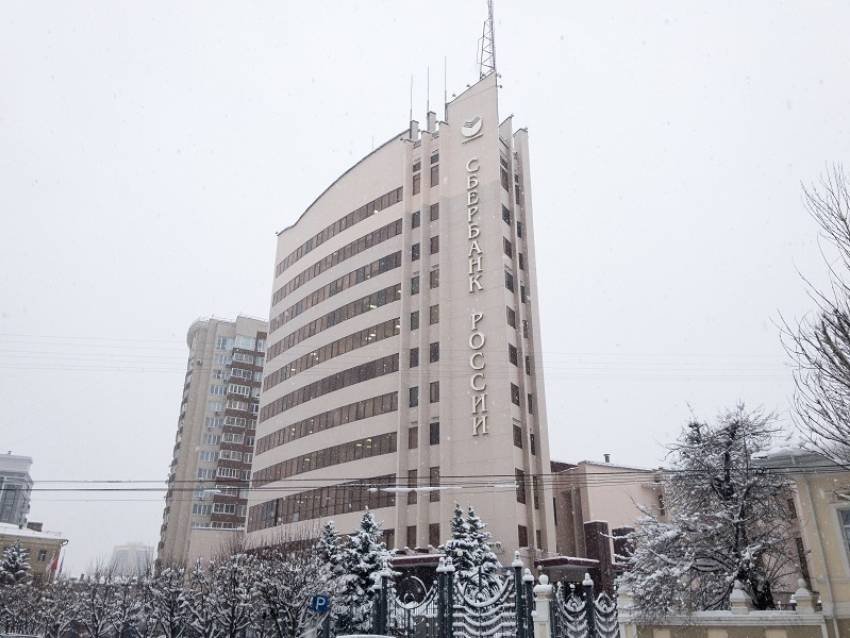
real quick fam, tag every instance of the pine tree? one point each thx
(728, 522)
(363, 558)
(15, 567)
(470, 552)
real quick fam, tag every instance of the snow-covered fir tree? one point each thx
(15, 566)
(470, 551)
(728, 522)
(363, 558)
(166, 602)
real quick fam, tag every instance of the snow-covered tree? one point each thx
(97, 601)
(728, 521)
(58, 609)
(286, 576)
(199, 603)
(470, 551)
(231, 593)
(15, 566)
(166, 602)
(363, 558)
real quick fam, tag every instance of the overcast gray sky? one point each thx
(149, 151)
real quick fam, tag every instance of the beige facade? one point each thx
(823, 511)
(404, 369)
(213, 449)
(44, 548)
(605, 492)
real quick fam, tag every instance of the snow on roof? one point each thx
(25, 532)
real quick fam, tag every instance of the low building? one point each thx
(44, 548)
(595, 503)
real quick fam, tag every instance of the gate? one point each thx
(575, 613)
(487, 606)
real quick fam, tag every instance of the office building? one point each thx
(15, 488)
(132, 559)
(210, 469)
(404, 369)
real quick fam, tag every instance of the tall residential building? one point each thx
(15, 488)
(211, 465)
(404, 369)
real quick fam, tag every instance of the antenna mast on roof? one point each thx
(487, 44)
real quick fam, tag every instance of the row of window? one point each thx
(511, 315)
(518, 440)
(240, 341)
(417, 178)
(332, 418)
(433, 317)
(336, 455)
(356, 247)
(344, 313)
(433, 435)
(522, 489)
(207, 509)
(359, 275)
(333, 500)
(416, 217)
(349, 343)
(354, 217)
(233, 404)
(509, 251)
(433, 394)
(357, 374)
(433, 281)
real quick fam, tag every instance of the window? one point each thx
(535, 492)
(434, 481)
(414, 357)
(520, 487)
(509, 281)
(511, 316)
(508, 247)
(412, 482)
(42, 555)
(224, 343)
(411, 533)
(528, 365)
(205, 473)
(414, 320)
(417, 164)
(539, 536)
(224, 508)
(434, 314)
(532, 444)
(223, 359)
(506, 215)
(530, 403)
(435, 212)
(512, 357)
(434, 532)
(517, 436)
(435, 392)
(519, 229)
(414, 285)
(435, 244)
(435, 175)
(213, 422)
(525, 328)
(521, 261)
(241, 390)
(523, 297)
(414, 396)
(434, 352)
(415, 219)
(434, 433)
(208, 456)
(435, 278)
(504, 178)
(211, 439)
(514, 394)
(201, 509)
(261, 345)
(413, 437)
(417, 183)
(246, 343)
(215, 406)
(218, 390)
(435, 158)
(414, 252)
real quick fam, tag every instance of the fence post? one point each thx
(450, 599)
(589, 605)
(441, 599)
(528, 586)
(520, 596)
(542, 598)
